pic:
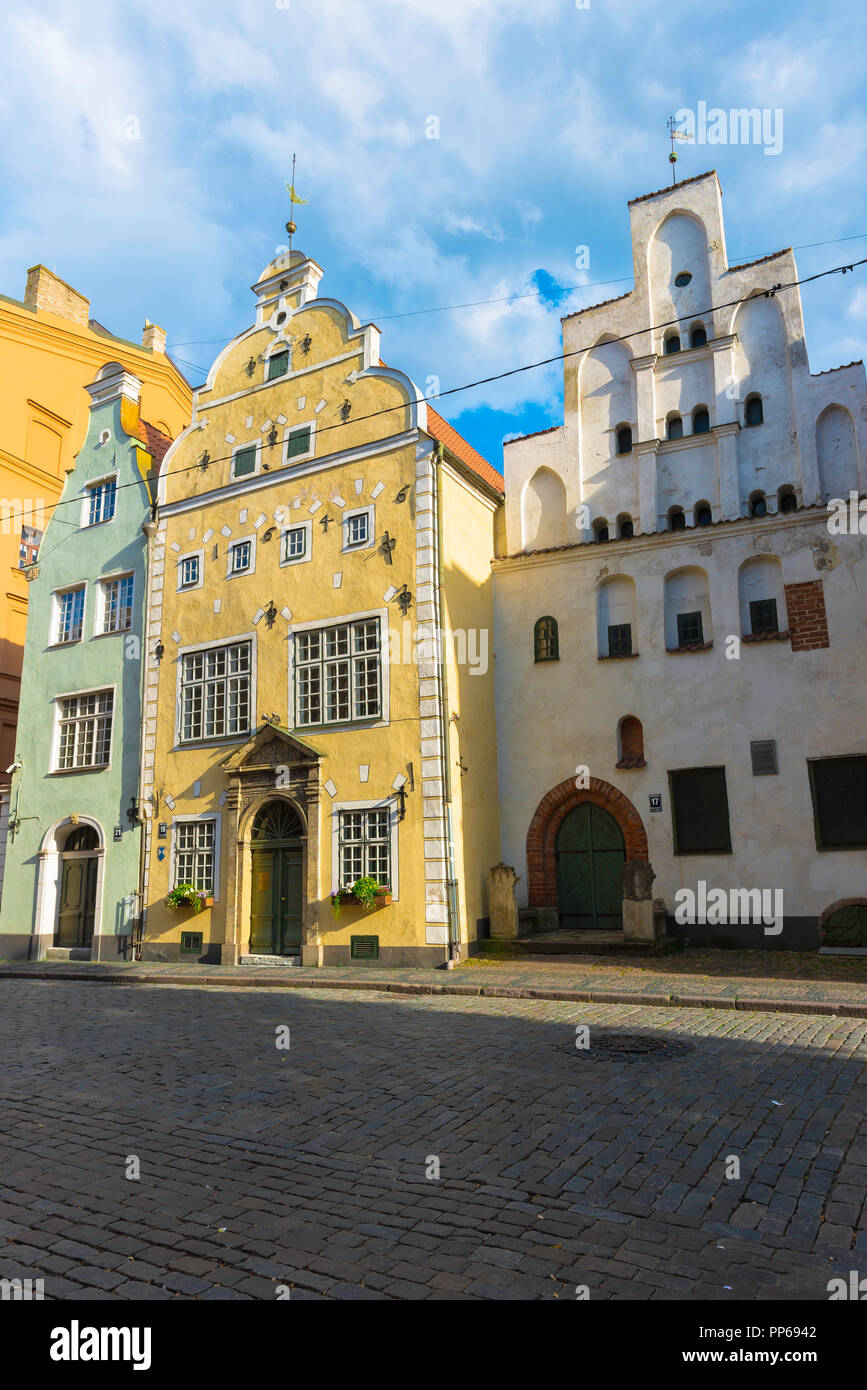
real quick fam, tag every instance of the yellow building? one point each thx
(319, 699)
(50, 349)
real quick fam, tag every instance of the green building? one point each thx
(71, 878)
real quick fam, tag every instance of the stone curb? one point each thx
(675, 1001)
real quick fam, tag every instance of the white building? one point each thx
(705, 663)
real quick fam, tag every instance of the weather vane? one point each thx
(675, 134)
(291, 226)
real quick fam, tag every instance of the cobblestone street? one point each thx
(308, 1168)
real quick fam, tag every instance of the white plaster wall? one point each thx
(697, 709)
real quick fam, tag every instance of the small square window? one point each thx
(295, 543)
(191, 943)
(299, 442)
(620, 639)
(763, 615)
(278, 365)
(357, 528)
(689, 629)
(239, 557)
(190, 572)
(244, 461)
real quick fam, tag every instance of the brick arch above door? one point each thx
(550, 814)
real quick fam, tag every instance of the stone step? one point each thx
(271, 960)
(68, 953)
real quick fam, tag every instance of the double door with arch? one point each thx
(276, 916)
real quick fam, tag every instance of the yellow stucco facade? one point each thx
(49, 351)
(304, 724)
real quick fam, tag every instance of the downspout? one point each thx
(453, 934)
(149, 528)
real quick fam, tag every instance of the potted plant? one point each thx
(366, 891)
(185, 895)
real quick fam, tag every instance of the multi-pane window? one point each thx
(689, 629)
(215, 692)
(239, 557)
(357, 529)
(294, 543)
(117, 604)
(337, 673)
(620, 639)
(278, 364)
(299, 441)
(70, 615)
(546, 640)
(365, 846)
(189, 572)
(763, 615)
(100, 501)
(194, 854)
(29, 547)
(244, 461)
(85, 729)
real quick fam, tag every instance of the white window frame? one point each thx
(54, 762)
(191, 555)
(255, 444)
(241, 540)
(375, 721)
(217, 818)
(295, 429)
(370, 513)
(179, 711)
(85, 522)
(101, 604)
(57, 595)
(307, 528)
(389, 803)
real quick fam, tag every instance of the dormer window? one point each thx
(698, 336)
(703, 514)
(788, 502)
(672, 343)
(701, 420)
(674, 428)
(625, 528)
(676, 519)
(758, 505)
(600, 530)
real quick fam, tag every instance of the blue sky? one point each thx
(550, 118)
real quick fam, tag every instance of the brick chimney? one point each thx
(153, 337)
(48, 294)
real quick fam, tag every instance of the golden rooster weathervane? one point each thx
(291, 226)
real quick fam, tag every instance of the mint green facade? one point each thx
(72, 863)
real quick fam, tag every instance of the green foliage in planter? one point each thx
(364, 890)
(185, 895)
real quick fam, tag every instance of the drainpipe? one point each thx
(453, 934)
(149, 528)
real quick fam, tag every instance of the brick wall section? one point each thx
(48, 294)
(808, 621)
(552, 811)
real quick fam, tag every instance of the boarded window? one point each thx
(700, 811)
(839, 790)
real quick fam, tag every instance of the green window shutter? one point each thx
(244, 462)
(278, 365)
(298, 442)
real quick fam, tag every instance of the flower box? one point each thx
(383, 898)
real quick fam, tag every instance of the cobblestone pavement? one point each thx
(805, 979)
(308, 1167)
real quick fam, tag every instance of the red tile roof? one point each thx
(154, 441)
(446, 434)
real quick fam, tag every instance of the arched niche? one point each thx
(679, 247)
(543, 511)
(608, 404)
(835, 451)
(762, 596)
(687, 608)
(617, 609)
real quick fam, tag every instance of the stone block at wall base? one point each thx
(426, 957)
(638, 920)
(19, 946)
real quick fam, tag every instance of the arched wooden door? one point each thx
(76, 904)
(276, 896)
(590, 855)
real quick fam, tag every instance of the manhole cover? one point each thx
(629, 1047)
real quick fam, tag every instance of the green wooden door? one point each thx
(847, 927)
(275, 926)
(590, 855)
(77, 904)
